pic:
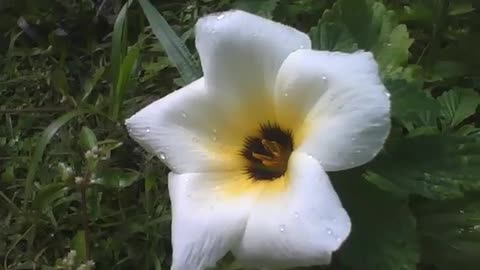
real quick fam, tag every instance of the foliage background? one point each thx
(72, 180)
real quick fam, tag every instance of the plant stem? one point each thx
(83, 192)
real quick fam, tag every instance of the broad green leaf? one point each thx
(116, 177)
(87, 138)
(436, 167)
(450, 233)
(59, 81)
(80, 246)
(91, 82)
(383, 233)
(176, 50)
(40, 149)
(332, 36)
(410, 104)
(457, 105)
(363, 24)
(263, 8)
(460, 8)
(44, 200)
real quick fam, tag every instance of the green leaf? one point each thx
(125, 80)
(363, 24)
(116, 177)
(59, 81)
(91, 82)
(80, 246)
(176, 50)
(263, 8)
(40, 149)
(47, 195)
(457, 105)
(119, 43)
(332, 36)
(450, 233)
(410, 103)
(87, 138)
(436, 167)
(383, 233)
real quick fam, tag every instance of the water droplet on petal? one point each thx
(296, 215)
(214, 138)
(338, 239)
(387, 94)
(147, 130)
(285, 94)
(214, 130)
(221, 16)
(282, 228)
(184, 115)
(195, 139)
(302, 46)
(162, 156)
(329, 231)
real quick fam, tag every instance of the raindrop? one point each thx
(387, 94)
(358, 151)
(354, 139)
(162, 156)
(296, 215)
(338, 239)
(214, 138)
(476, 227)
(148, 130)
(217, 188)
(461, 212)
(184, 115)
(214, 130)
(302, 46)
(282, 228)
(389, 44)
(329, 231)
(285, 94)
(52, 235)
(221, 16)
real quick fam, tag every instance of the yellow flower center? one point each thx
(267, 152)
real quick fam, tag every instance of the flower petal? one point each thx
(337, 104)
(299, 227)
(188, 132)
(205, 223)
(241, 54)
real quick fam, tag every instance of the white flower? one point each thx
(250, 142)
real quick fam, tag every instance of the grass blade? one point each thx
(40, 149)
(124, 80)
(176, 50)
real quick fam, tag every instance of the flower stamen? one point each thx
(267, 153)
